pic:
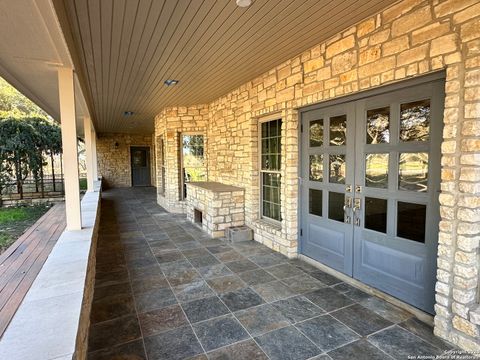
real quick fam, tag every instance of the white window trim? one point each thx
(264, 119)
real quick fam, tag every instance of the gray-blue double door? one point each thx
(369, 189)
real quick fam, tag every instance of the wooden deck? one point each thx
(23, 260)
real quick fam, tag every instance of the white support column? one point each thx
(87, 129)
(69, 146)
(94, 153)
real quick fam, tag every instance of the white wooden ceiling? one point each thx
(124, 50)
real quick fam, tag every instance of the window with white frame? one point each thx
(193, 160)
(270, 165)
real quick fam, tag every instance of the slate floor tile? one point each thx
(111, 278)
(400, 343)
(241, 266)
(226, 284)
(133, 350)
(359, 350)
(213, 271)
(357, 295)
(176, 267)
(154, 299)
(261, 319)
(196, 252)
(176, 344)
(386, 310)
(113, 332)
(203, 309)
(192, 291)
(229, 256)
(266, 260)
(303, 283)
(284, 271)
(146, 271)
(425, 331)
(328, 299)
(325, 278)
(297, 308)
(245, 350)
(183, 277)
(287, 343)
(170, 256)
(273, 291)
(254, 277)
(160, 320)
(241, 299)
(202, 261)
(219, 332)
(361, 319)
(148, 283)
(326, 332)
(219, 249)
(110, 307)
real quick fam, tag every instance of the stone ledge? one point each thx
(52, 320)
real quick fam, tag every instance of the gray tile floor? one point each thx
(165, 290)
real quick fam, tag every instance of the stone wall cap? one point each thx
(214, 186)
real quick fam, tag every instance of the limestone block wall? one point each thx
(114, 160)
(220, 209)
(409, 39)
(170, 124)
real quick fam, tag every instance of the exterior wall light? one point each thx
(170, 82)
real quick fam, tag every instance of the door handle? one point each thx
(347, 205)
(356, 205)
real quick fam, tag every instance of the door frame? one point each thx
(345, 100)
(149, 163)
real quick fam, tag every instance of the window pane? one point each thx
(139, 158)
(376, 170)
(316, 167)
(413, 172)
(271, 187)
(335, 206)
(315, 202)
(271, 146)
(316, 133)
(411, 219)
(376, 214)
(195, 174)
(415, 121)
(378, 121)
(338, 130)
(337, 169)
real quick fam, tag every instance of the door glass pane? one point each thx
(139, 158)
(315, 202)
(337, 168)
(338, 130)
(316, 133)
(316, 167)
(335, 206)
(411, 219)
(378, 122)
(415, 121)
(413, 171)
(376, 214)
(376, 170)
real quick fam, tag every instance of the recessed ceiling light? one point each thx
(170, 82)
(244, 3)
(127, 113)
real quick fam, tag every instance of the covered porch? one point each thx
(166, 290)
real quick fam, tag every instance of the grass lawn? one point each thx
(15, 220)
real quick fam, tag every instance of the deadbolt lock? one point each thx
(358, 188)
(348, 188)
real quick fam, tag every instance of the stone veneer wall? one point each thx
(220, 209)
(170, 124)
(114, 162)
(408, 39)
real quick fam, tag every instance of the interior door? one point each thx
(327, 178)
(140, 164)
(369, 201)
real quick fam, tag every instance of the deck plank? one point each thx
(21, 263)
